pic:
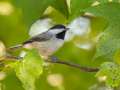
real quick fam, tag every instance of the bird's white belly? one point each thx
(47, 48)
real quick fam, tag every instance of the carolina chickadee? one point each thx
(47, 42)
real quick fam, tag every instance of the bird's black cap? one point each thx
(58, 26)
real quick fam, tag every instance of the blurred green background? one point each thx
(16, 18)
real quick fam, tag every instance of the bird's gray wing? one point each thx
(39, 38)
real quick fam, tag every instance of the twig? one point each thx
(57, 61)
(82, 68)
(13, 57)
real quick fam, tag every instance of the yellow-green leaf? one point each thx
(29, 69)
(112, 73)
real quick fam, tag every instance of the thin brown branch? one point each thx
(57, 61)
(82, 68)
(13, 57)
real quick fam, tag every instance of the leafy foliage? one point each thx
(29, 69)
(33, 10)
(14, 28)
(112, 73)
(109, 41)
(29, 74)
(77, 7)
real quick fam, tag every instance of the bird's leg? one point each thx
(53, 58)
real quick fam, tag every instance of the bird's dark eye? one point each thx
(61, 35)
(59, 26)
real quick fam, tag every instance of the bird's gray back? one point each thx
(39, 38)
(42, 37)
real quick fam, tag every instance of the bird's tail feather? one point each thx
(15, 47)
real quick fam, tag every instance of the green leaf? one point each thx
(77, 6)
(110, 40)
(11, 82)
(98, 25)
(112, 73)
(103, 1)
(61, 5)
(57, 17)
(11, 29)
(29, 70)
(32, 10)
(117, 56)
(106, 1)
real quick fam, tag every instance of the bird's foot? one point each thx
(53, 58)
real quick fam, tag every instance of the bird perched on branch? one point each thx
(47, 42)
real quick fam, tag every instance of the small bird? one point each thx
(47, 42)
